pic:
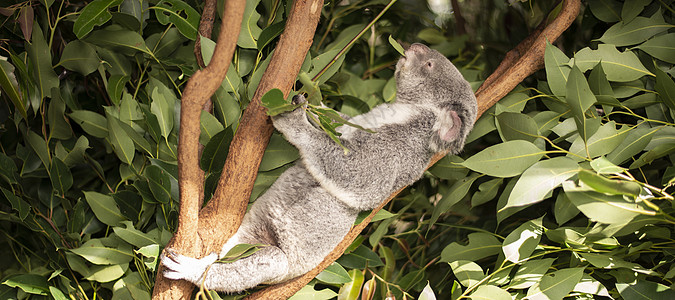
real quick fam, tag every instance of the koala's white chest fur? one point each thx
(382, 115)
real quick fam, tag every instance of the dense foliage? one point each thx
(564, 189)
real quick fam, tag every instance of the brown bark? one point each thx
(205, 28)
(199, 89)
(527, 62)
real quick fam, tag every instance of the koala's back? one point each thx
(301, 218)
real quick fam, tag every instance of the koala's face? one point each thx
(424, 70)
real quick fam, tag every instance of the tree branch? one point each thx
(199, 89)
(498, 85)
(205, 28)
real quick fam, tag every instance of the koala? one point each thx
(313, 204)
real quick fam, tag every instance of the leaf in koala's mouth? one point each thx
(397, 46)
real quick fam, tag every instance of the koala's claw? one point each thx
(183, 267)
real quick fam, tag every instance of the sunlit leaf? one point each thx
(507, 159)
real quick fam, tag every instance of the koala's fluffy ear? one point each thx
(450, 124)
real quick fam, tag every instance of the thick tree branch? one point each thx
(199, 89)
(529, 58)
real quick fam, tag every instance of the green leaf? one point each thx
(10, 86)
(661, 47)
(645, 290)
(449, 167)
(490, 292)
(539, 180)
(486, 191)
(249, 26)
(41, 60)
(607, 261)
(115, 88)
(215, 152)
(122, 143)
(603, 141)
(579, 98)
(116, 38)
(608, 186)
(18, 204)
(467, 272)
(95, 252)
(138, 140)
(556, 285)
(557, 69)
(521, 242)
(352, 289)
(241, 251)
(275, 103)
(619, 66)
(162, 108)
(563, 209)
(226, 107)
(29, 283)
(92, 123)
(334, 274)
(79, 56)
(636, 141)
(107, 273)
(39, 145)
(610, 209)
(530, 273)
(636, 31)
(60, 176)
(517, 126)
(603, 166)
(480, 245)
(209, 126)
(309, 293)
(95, 13)
(105, 208)
(159, 183)
(361, 257)
(58, 127)
(665, 87)
(427, 293)
(396, 46)
(632, 9)
(270, 33)
(133, 236)
(608, 11)
(173, 11)
(455, 194)
(507, 159)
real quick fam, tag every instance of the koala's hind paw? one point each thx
(183, 267)
(298, 99)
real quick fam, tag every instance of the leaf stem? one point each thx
(353, 40)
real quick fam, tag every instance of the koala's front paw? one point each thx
(183, 267)
(299, 99)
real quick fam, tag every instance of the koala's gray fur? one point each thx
(313, 204)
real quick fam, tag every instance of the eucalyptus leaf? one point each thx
(95, 13)
(507, 159)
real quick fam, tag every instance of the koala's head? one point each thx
(426, 77)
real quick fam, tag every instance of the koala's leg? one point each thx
(264, 266)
